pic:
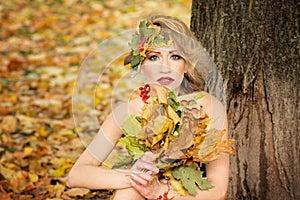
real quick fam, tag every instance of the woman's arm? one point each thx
(87, 171)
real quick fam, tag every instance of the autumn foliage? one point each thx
(42, 45)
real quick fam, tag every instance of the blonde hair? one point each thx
(202, 73)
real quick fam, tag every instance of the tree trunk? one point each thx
(255, 45)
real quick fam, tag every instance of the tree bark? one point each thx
(255, 45)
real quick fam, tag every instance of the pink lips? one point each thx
(165, 80)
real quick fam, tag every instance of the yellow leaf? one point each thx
(162, 124)
(33, 177)
(59, 189)
(146, 113)
(66, 132)
(4, 138)
(173, 115)
(42, 132)
(161, 93)
(157, 139)
(59, 172)
(28, 150)
(6, 172)
(176, 185)
(10, 165)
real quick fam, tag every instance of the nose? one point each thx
(165, 66)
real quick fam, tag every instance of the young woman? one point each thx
(176, 62)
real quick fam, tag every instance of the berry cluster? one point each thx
(144, 92)
(163, 197)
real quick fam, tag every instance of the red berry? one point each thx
(144, 92)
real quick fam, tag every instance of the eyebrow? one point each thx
(153, 51)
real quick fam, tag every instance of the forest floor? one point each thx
(42, 46)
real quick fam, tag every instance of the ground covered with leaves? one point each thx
(42, 46)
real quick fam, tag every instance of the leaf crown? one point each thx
(142, 41)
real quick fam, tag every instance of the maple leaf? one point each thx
(191, 178)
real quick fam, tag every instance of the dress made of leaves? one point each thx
(179, 135)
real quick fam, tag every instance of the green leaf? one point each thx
(121, 161)
(159, 41)
(146, 32)
(190, 176)
(131, 126)
(192, 103)
(198, 96)
(135, 61)
(173, 101)
(134, 42)
(118, 158)
(134, 147)
(139, 118)
(143, 24)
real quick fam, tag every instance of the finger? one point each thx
(139, 188)
(145, 176)
(147, 157)
(147, 167)
(140, 179)
(149, 154)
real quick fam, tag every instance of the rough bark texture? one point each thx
(255, 45)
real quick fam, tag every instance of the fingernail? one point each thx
(149, 172)
(136, 172)
(131, 182)
(133, 175)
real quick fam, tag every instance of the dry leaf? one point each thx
(73, 192)
(9, 124)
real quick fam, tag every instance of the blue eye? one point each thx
(153, 57)
(176, 57)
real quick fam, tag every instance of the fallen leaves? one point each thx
(42, 45)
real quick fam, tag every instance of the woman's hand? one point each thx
(144, 178)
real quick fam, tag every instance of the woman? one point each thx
(173, 58)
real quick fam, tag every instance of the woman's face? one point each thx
(165, 66)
